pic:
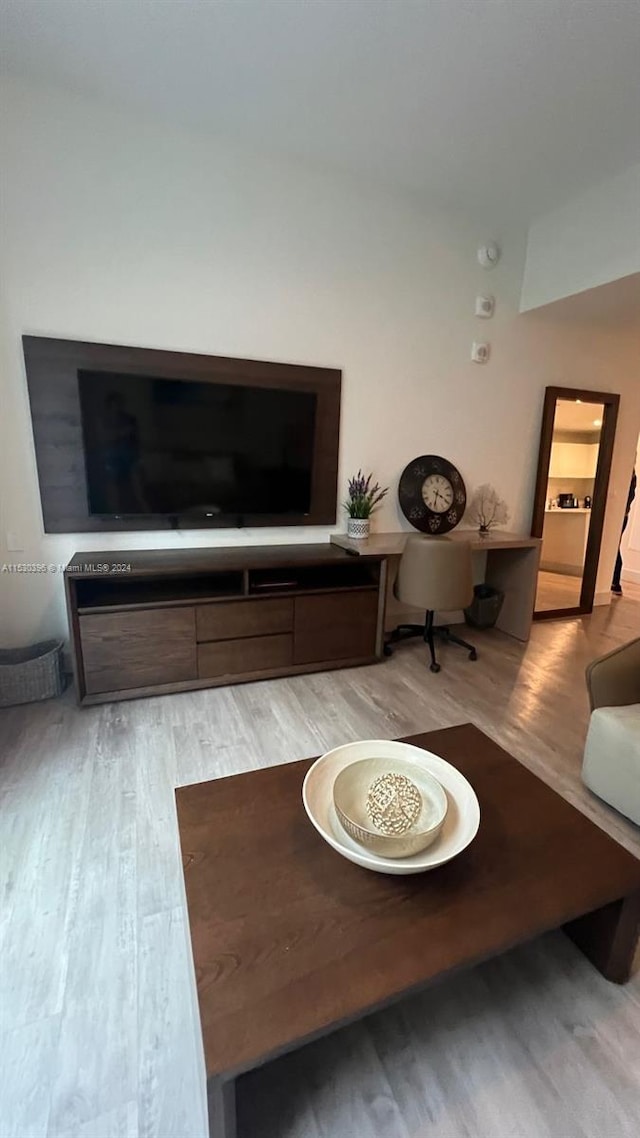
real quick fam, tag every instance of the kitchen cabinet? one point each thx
(573, 460)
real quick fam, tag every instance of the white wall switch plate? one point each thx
(485, 307)
(14, 542)
(480, 352)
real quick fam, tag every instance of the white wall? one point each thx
(593, 239)
(127, 231)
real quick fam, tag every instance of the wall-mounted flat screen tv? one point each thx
(190, 449)
(131, 438)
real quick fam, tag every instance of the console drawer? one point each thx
(337, 626)
(123, 650)
(252, 654)
(229, 620)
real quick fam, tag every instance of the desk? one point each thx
(508, 561)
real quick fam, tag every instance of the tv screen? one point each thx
(192, 449)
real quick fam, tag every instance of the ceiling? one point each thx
(577, 416)
(507, 107)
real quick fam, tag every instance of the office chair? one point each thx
(434, 574)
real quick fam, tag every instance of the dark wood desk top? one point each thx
(392, 544)
(290, 940)
(205, 559)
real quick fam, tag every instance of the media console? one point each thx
(158, 621)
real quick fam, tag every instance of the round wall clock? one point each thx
(432, 494)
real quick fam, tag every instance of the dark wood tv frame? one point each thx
(52, 367)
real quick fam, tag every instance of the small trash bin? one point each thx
(484, 609)
(30, 674)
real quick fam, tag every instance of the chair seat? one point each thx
(611, 766)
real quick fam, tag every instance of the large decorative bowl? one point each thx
(460, 825)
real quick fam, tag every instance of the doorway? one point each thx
(576, 444)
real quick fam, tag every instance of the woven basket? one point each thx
(29, 674)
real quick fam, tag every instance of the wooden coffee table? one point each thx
(291, 941)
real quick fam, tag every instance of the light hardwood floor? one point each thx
(557, 590)
(99, 1032)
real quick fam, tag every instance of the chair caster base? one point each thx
(387, 650)
(434, 667)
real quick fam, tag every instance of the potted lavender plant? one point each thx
(362, 501)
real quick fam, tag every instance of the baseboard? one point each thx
(632, 575)
(602, 598)
(560, 567)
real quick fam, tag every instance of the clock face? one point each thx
(437, 493)
(432, 494)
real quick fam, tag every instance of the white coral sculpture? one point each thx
(487, 509)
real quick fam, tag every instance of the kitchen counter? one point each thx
(564, 543)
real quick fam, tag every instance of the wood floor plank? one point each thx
(158, 864)
(43, 823)
(28, 1056)
(97, 1006)
(121, 1122)
(96, 1072)
(167, 1092)
(555, 1045)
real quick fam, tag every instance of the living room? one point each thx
(313, 187)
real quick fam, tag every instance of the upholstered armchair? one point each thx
(611, 766)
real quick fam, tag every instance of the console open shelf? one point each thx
(150, 592)
(314, 578)
(153, 621)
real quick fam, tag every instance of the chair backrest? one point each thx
(614, 680)
(435, 573)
